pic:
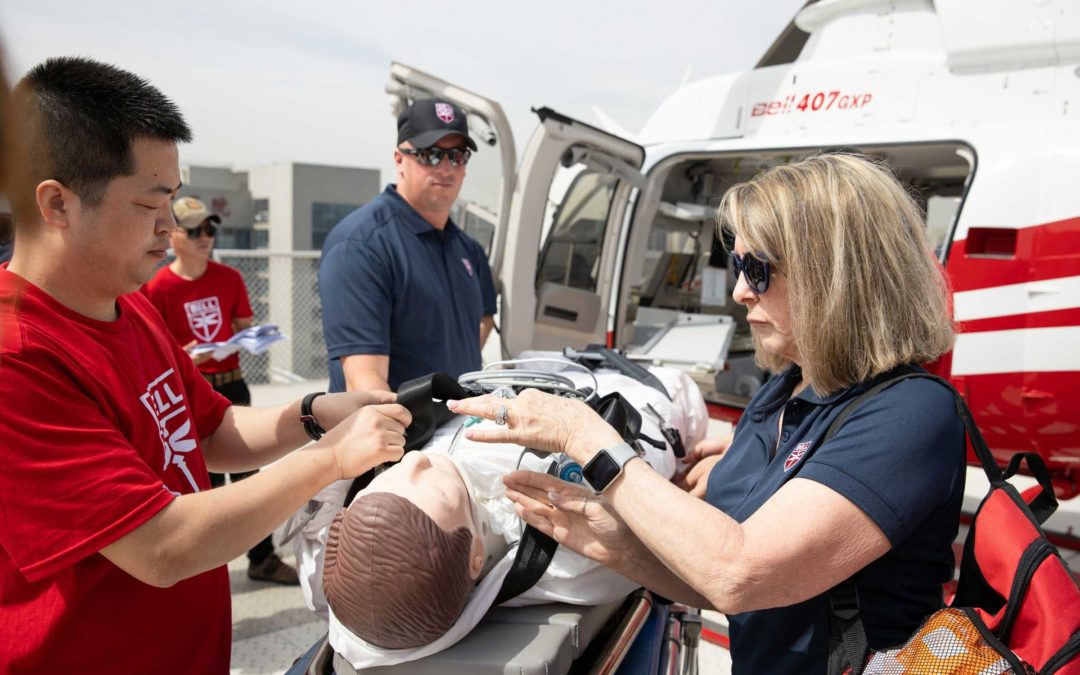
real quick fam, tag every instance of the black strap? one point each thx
(425, 398)
(534, 553)
(620, 414)
(848, 646)
(595, 356)
(1045, 503)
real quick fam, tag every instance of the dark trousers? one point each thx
(237, 392)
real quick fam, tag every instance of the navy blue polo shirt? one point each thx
(392, 284)
(899, 457)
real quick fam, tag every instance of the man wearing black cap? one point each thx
(404, 291)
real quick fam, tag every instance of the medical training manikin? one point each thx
(450, 495)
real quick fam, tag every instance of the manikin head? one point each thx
(403, 559)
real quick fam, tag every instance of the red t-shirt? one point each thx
(99, 431)
(201, 309)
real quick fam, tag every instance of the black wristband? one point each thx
(311, 425)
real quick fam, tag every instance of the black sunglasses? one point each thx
(434, 156)
(756, 271)
(209, 228)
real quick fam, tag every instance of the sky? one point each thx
(279, 80)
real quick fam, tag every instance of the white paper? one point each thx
(714, 286)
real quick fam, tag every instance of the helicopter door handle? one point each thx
(560, 313)
(1035, 395)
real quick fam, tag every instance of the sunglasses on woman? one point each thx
(756, 271)
(434, 156)
(209, 228)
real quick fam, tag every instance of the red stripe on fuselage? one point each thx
(1054, 319)
(1047, 251)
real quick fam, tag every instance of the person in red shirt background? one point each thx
(204, 301)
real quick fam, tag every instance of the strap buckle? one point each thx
(844, 601)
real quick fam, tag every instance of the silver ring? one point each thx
(584, 505)
(500, 417)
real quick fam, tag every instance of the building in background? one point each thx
(225, 192)
(283, 206)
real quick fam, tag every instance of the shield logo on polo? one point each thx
(204, 318)
(468, 266)
(445, 111)
(796, 455)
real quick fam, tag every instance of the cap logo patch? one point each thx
(468, 266)
(796, 455)
(445, 112)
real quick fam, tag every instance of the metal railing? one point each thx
(284, 289)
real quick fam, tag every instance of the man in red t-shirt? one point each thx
(203, 301)
(112, 546)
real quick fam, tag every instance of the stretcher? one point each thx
(638, 636)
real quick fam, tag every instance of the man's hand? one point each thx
(330, 409)
(197, 359)
(570, 514)
(369, 437)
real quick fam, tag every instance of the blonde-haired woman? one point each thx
(841, 292)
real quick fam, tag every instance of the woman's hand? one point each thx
(371, 436)
(710, 447)
(541, 422)
(571, 515)
(696, 480)
(330, 409)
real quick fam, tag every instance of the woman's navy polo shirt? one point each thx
(392, 284)
(899, 458)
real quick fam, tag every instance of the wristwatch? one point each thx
(311, 425)
(606, 465)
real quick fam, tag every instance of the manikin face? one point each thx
(433, 484)
(127, 235)
(187, 248)
(430, 188)
(769, 313)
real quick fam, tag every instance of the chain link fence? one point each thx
(284, 290)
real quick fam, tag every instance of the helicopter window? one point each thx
(570, 255)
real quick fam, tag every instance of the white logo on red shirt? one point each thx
(468, 266)
(204, 317)
(796, 455)
(168, 409)
(445, 111)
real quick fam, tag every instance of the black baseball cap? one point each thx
(429, 120)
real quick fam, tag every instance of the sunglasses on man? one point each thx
(209, 228)
(756, 271)
(434, 156)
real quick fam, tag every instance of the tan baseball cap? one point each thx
(190, 213)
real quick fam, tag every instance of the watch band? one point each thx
(311, 425)
(606, 465)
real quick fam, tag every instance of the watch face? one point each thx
(601, 470)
